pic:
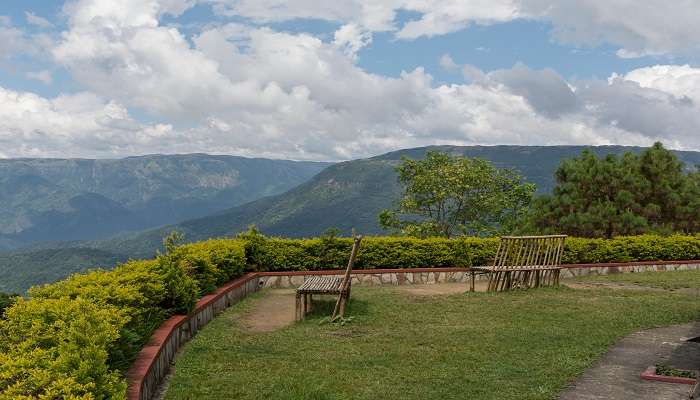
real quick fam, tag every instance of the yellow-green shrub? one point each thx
(277, 254)
(57, 349)
(73, 338)
(210, 263)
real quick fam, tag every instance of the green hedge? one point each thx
(76, 337)
(276, 254)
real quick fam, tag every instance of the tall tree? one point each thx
(626, 195)
(448, 196)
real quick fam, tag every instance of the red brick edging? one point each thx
(148, 356)
(650, 375)
(145, 360)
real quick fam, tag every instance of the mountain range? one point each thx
(344, 195)
(80, 199)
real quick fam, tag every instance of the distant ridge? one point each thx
(345, 195)
(77, 199)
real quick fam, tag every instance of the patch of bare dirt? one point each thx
(273, 311)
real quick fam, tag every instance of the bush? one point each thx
(137, 288)
(74, 338)
(277, 254)
(6, 300)
(632, 248)
(210, 263)
(57, 349)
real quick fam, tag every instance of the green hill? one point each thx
(77, 199)
(345, 195)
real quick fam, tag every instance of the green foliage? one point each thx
(6, 300)
(72, 339)
(628, 195)
(447, 196)
(137, 288)
(209, 263)
(278, 254)
(58, 349)
(631, 248)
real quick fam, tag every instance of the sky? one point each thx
(322, 80)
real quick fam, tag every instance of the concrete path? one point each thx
(616, 375)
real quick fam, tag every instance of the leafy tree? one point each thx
(626, 195)
(447, 196)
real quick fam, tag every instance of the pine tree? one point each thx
(621, 195)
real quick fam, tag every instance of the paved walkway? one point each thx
(616, 375)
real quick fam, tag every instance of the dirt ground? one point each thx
(273, 311)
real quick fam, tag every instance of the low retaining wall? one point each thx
(413, 276)
(153, 361)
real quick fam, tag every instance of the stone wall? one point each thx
(376, 277)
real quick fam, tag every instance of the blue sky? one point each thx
(309, 80)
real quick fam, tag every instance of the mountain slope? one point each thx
(345, 195)
(351, 194)
(76, 199)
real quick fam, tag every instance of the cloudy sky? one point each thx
(333, 80)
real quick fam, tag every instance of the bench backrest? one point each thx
(536, 252)
(355, 248)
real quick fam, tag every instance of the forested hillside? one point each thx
(345, 195)
(79, 199)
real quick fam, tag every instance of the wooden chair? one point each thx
(524, 262)
(327, 285)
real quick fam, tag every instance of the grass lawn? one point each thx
(664, 280)
(519, 345)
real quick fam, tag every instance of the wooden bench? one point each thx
(524, 262)
(325, 285)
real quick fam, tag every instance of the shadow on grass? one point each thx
(323, 307)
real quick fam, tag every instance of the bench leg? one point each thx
(343, 300)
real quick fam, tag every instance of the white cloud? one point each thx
(447, 63)
(251, 90)
(350, 38)
(650, 27)
(43, 76)
(679, 80)
(34, 19)
(444, 16)
(13, 40)
(70, 125)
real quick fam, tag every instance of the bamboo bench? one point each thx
(523, 262)
(324, 285)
